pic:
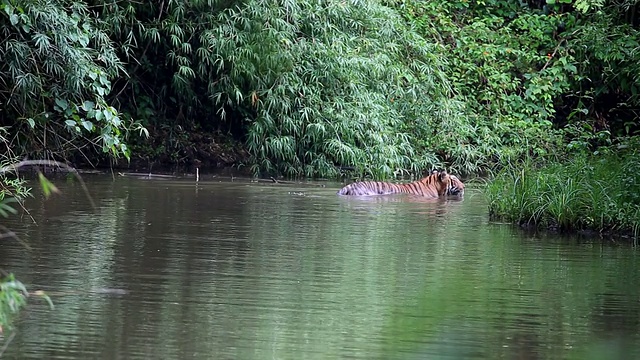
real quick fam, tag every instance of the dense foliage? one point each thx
(585, 80)
(55, 72)
(312, 87)
(598, 193)
(307, 85)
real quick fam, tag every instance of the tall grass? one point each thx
(598, 193)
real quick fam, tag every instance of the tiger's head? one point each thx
(441, 180)
(457, 187)
(452, 184)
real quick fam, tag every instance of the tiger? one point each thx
(438, 183)
(457, 186)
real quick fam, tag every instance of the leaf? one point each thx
(5, 209)
(143, 131)
(31, 122)
(125, 150)
(87, 125)
(84, 40)
(103, 80)
(88, 105)
(62, 103)
(47, 186)
(70, 123)
(108, 115)
(14, 19)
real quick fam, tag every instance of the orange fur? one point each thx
(437, 184)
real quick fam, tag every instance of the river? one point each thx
(167, 269)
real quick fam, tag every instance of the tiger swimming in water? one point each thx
(438, 183)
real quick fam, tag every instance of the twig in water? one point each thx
(18, 165)
(7, 342)
(10, 234)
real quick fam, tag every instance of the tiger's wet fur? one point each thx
(438, 183)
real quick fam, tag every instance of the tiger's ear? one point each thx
(442, 175)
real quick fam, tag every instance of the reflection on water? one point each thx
(246, 270)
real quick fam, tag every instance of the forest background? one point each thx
(311, 88)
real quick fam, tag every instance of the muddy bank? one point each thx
(168, 151)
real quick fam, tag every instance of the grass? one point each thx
(588, 193)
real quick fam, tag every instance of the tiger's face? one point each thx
(443, 181)
(457, 187)
(452, 184)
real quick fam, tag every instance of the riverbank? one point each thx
(587, 194)
(590, 195)
(166, 151)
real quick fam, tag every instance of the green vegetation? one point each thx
(599, 193)
(588, 181)
(556, 82)
(13, 293)
(56, 68)
(13, 296)
(306, 88)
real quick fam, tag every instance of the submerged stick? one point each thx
(6, 342)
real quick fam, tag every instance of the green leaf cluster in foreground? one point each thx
(13, 297)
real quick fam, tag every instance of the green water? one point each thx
(240, 270)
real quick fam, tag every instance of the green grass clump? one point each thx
(598, 193)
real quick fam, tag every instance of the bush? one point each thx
(597, 192)
(56, 69)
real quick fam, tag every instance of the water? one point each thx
(240, 270)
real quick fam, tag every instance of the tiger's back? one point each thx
(438, 183)
(362, 188)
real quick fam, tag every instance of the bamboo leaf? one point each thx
(47, 186)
